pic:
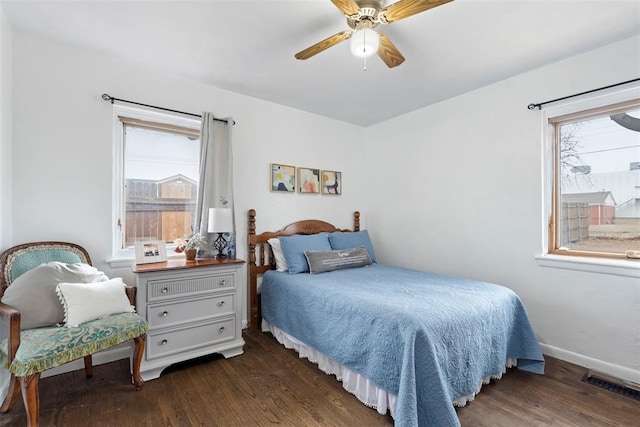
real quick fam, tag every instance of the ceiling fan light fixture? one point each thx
(364, 42)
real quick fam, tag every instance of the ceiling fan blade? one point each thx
(406, 8)
(323, 45)
(348, 7)
(388, 52)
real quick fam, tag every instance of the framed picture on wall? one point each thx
(331, 182)
(150, 251)
(283, 178)
(308, 181)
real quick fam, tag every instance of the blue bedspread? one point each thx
(427, 338)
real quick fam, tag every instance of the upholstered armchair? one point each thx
(29, 350)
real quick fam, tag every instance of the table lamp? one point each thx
(220, 221)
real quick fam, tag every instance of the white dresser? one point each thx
(193, 308)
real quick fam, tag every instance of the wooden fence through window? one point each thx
(574, 222)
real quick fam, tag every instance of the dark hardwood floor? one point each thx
(269, 385)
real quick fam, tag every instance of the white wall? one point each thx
(62, 133)
(6, 64)
(464, 180)
(6, 74)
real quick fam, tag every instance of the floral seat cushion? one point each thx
(46, 348)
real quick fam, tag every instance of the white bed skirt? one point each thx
(356, 384)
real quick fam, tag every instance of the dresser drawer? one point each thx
(165, 343)
(176, 312)
(160, 289)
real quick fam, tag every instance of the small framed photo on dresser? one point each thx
(150, 251)
(331, 182)
(308, 181)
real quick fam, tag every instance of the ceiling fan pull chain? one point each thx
(364, 49)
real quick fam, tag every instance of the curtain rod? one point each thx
(539, 105)
(108, 97)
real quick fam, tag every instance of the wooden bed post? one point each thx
(356, 221)
(253, 274)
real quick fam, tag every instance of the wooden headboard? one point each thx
(261, 257)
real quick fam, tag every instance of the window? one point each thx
(156, 177)
(595, 195)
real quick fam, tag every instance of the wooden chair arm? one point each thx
(10, 328)
(131, 294)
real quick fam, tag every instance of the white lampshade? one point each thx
(220, 220)
(364, 42)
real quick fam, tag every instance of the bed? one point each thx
(408, 342)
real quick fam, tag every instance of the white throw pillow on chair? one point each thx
(84, 302)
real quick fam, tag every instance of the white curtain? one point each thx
(215, 189)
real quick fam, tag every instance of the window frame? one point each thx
(140, 117)
(563, 113)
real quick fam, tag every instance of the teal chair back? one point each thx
(19, 259)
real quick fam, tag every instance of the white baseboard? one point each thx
(122, 351)
(616, 371)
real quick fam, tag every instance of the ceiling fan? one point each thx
(365, 15)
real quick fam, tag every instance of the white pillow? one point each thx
(33, 293)
(281, 261)
(84, 302)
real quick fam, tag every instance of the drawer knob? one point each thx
(221, 330)
(221, 304)
(163, 342)
(165, 313)
(223, 283)
(165, 290)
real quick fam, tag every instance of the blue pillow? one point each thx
(348, 240)
(293, 248)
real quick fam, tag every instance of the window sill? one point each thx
(590, 265)
(125, 261)
(120, 262)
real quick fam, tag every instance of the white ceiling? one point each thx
(248, 46)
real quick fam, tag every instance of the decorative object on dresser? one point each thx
(193, 309)
(190, 254)
(97, 314)
(190, 246)
(150, 251)
(220, 221)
